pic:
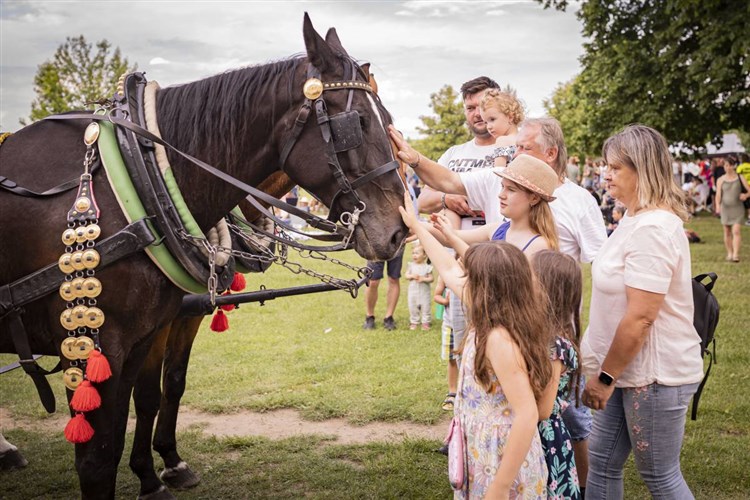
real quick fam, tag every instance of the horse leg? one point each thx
(177, 474)
(10, 457)
(146, 395)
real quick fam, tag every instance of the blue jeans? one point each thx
(578, 419)
(650, 421)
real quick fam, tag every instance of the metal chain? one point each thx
(282, 259)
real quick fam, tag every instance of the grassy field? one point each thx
(310, 353)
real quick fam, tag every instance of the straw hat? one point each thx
(532, 174)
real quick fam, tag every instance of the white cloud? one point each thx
(156, 61)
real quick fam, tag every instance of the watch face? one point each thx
(605, 378)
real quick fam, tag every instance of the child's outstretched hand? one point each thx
(443, 224)
(407, 214)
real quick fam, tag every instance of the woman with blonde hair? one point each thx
(731, 192)
(641, 353)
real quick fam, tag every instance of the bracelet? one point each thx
(442, 201)
(416, 164)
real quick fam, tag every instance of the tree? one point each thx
(77, 74)
(446, 128)
(680, 66)
(573, 112)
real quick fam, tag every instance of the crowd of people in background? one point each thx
(507, 218)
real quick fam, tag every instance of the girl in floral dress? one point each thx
(560, 277)
(504, 366)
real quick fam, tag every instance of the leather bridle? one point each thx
(341, 132)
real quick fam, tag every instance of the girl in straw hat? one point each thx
(528, 184)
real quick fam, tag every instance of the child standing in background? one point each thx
(419, 274)
(442, 297)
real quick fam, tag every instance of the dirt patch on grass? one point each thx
(277, 424)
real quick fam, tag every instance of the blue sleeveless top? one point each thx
(502, 230)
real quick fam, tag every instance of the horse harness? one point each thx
(341, 132)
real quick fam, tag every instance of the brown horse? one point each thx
(239, 121)
(161, 385)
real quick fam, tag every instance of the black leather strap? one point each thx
(13, 187)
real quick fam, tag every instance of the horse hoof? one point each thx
(12, 459)
(180, 477)
(161, 494)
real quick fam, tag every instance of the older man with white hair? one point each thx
(579, 221)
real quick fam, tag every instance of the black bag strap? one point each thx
(14, 188)
(697, 395)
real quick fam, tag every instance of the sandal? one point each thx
(448, 401)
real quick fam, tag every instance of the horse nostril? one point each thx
(397, 237)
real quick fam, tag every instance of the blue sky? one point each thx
(415, 47)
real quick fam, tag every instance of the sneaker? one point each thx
(389, 323)
(443, 449)
(425, 326)
(369, 323)
(413, 326)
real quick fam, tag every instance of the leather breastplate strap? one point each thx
(129, 240)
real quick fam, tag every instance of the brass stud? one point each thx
(91, 134)
(76, 260)
(83, 347)
(65, 263)
(72, 378)
(90, 259)
(82, 204)
(93, 231)
(92, 287)
(76, 288)
(66, 320)
(69, 237)
(94, 317)
(78, 314)
(80, 234)
(312, 88)
(66, 291)
(67, 348)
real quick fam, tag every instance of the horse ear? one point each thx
(332, 38)
(318, 51)
(366, 68)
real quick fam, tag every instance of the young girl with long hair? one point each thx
(505, 365)
(559, 275)
(528, 184)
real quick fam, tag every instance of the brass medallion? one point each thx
(72, 378)
(68, 348)
(313, 88)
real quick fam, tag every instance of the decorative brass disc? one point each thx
(82, 204)
(68, 348)
(83, 347)
(66, 291)
(67, 321)
(72, 378)
(78, 314)
(80, 234)
(90, 259)
(94, 317)
(76, 261)
(69, 237)
(93, 231)
(92, 287)
(76, 288)
(312, 88)
(65, 263)
(91, 134)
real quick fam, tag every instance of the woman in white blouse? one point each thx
(641, 353)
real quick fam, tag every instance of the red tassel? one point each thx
(220, 323)
(97, 367)
(78, 429)
(85, 397)
(238, 283)
(228, 307)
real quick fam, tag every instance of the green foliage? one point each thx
(446, 128)
(78, 73)
(680, 66)
(573, 113)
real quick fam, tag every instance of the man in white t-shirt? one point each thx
(466, 157)
(580, 226)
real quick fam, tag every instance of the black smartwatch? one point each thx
(605, 378)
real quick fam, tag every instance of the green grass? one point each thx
(283, 355)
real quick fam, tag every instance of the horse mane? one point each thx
(225, 107)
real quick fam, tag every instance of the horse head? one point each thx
(343, 154)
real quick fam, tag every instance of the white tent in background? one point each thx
(731, 144)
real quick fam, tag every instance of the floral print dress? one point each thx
(486, 419)
(562, 482)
